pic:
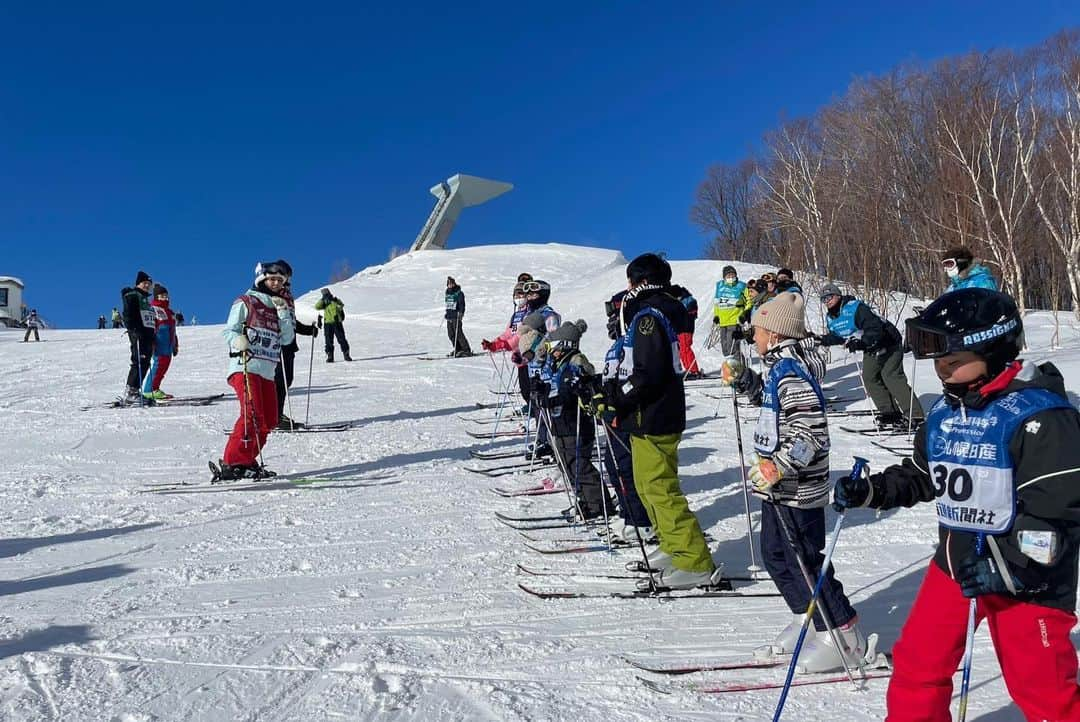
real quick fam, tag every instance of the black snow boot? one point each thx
(329, 358)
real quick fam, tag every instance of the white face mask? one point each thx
(952, 272)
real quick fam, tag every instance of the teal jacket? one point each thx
(978, 277)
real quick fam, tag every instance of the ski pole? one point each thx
(626, 500)
(563, 468)
(754, 569)
(577, 470)
(811, 607)
(969, 644)
(829, 626)
(911, 399)
(311, 364)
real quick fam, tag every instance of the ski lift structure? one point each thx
(452, 195)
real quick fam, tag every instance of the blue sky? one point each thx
(194, 139)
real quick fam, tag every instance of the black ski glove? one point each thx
(981, 575)
(855, 344)
(852, 492)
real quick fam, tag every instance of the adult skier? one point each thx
(259, 323)
(283, 374)
(33, 323)
(785, 282)
(573, 434)
(455, 317)
(139, 322)
(729, 301)
(165, 345)
(853, 324)
(101, 322)
(333, 324)
(1000, 458)
(117, 319)
(959, 265)
(791, 475)
(648, 397)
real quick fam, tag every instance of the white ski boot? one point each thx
(784, 644)
(819, 653)
(630, 534)
(673, 578)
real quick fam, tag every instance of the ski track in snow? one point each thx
(394, 602)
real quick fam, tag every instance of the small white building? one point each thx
(11, 295)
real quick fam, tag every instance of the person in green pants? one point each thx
(650, 404)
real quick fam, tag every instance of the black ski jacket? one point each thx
(652, 400)
(1046, 475)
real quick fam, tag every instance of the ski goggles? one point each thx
(531, 287)
(949, 263)
(928, 342)
(272, 268)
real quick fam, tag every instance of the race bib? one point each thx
(973, 498)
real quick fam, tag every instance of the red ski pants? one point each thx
(686, 353)
(258, 414)
(1032, 643)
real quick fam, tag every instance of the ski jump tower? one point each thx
(453, 194)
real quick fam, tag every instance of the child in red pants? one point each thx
(1000, 455)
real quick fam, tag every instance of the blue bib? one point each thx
(728, 296)
(969, 461)
(767, 432)
(843, 325)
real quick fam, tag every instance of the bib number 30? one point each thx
(956, 482)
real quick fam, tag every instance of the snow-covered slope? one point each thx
(391, 592)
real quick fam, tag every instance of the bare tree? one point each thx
(723, 208)
(341, 271)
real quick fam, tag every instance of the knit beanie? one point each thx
(534, 320)
(568, 335)
(160, 290)
(141, 276)
(784, 315)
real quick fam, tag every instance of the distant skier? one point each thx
(33, 323)
(165, 345)
(785, 282)
(139, 322)
(101, 322)
(259, 323)
(729, 300)
(999, 458)
(686, 336)
(567, 368)
(959, 265)
(791, 475)
(117, 319)
(333, 324)
(853, 324)
(179, 318)
(283, 374)
(455, 317)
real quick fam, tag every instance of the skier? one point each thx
(33, 323)
(259, 323)
(283, 374)
(1000, 458)
(791, 475)
(455, 316)
(853, 324)
(101, 322)
(333, 324)
(179, 318)
(165, 345)
(633, 519)
(507, 340)
(959, 265)
(139, 322)
(648, 397)
(686, 336)
(566, 370)
(728, 303)
(541, 320)
(785, 281)
(117, 320)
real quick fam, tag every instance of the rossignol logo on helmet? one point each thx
(992, 332)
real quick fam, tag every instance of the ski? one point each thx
(871, 431)
(507, 469)
(683, 667)
(898, 450)
(548, 486)
(495, 435)
(269, 484)
(596, 573)
(314, 429)
(555, 523)
(530, 518)
(191, 400)
(581, 547)
(726, 687)
(445, 358)
(495, 455)
(563, 592)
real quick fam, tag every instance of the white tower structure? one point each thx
(456, 192)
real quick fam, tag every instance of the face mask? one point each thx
(952, 272)
(731, 280)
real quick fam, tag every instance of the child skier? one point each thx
(999, 454)
(165, 345)
(283, 375)
(259, 323)
(566, 369)
(791, 475)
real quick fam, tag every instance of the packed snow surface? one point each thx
(389, 592)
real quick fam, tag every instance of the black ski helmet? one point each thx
(649, 267)
(979, 320)
(611, 310)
